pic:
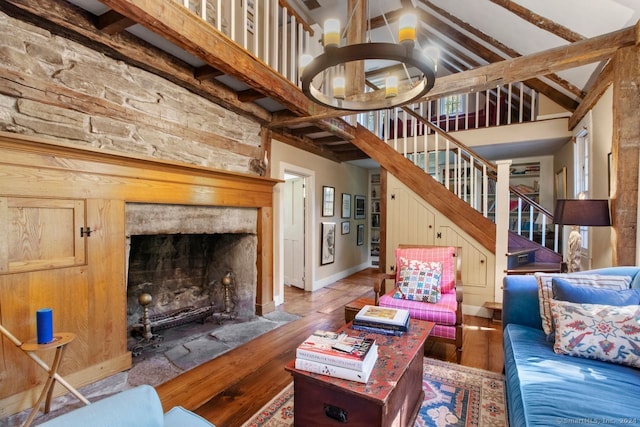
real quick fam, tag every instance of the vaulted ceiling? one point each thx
(557, 48)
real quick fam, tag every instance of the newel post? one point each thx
(502, 225)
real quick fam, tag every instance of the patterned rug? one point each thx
(454, 395)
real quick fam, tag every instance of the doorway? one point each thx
(294, 221)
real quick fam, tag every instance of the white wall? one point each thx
(345, 178)
(601, 135)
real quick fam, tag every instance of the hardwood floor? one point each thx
(235, 385)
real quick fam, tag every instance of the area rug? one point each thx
(454, 395)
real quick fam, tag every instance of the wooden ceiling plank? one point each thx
(539, 20)
(249, 95)
(306, 130)
(207, 72)
(304, 144)
(327, 140)
(67, 20)
(189, 32)
(112, 22)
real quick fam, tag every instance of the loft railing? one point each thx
(270, 29)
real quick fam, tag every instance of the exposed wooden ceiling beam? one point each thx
(566, 85)
(539, 21)
(189, 32)
(67, 20)
(111, 22)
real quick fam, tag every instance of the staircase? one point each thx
(461, 184)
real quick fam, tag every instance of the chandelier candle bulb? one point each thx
(339, 87)
(407, 28)
(331, 33)
(391, 87)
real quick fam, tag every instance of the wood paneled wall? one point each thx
(88, 298)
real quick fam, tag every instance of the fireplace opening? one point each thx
(179, 259)
(181, 271)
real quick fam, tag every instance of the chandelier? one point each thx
(323, 77)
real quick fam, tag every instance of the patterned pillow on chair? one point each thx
(420, 283)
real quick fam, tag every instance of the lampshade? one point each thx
(589, 212)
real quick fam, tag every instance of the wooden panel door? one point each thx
(41, 233)
(411, 221)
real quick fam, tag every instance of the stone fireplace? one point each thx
(179, 254)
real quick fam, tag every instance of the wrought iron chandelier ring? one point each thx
(404, 53)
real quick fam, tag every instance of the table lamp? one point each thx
(580, 212)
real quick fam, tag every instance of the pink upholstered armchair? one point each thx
(416, 281)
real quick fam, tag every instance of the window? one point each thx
(452, 105)
(582, 175)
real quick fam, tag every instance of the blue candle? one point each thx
(44, 325)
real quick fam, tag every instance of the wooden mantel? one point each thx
(83, 278)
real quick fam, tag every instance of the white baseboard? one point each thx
(473, 310)
(319, 284)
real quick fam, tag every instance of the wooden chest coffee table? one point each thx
(392, 397)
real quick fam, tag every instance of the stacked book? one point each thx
(381, 320)
(337, 355)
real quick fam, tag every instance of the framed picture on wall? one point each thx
(360, 211)
(328, 243)
(346, 227)
(346, 205)
(360, 235)
(328, 198)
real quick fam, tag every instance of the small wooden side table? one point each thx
(60, 341)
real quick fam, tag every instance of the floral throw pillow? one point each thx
(420, 284)
(545, 290)
(596, 331)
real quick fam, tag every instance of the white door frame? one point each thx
(309, 239)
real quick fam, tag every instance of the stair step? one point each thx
(535, 267)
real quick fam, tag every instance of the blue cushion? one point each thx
(576, 293)
(180, 417)
(139, 407)
(549, 389)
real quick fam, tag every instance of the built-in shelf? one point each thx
(374, 217)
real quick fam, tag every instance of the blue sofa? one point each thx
(136, 407)
(546, 389)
